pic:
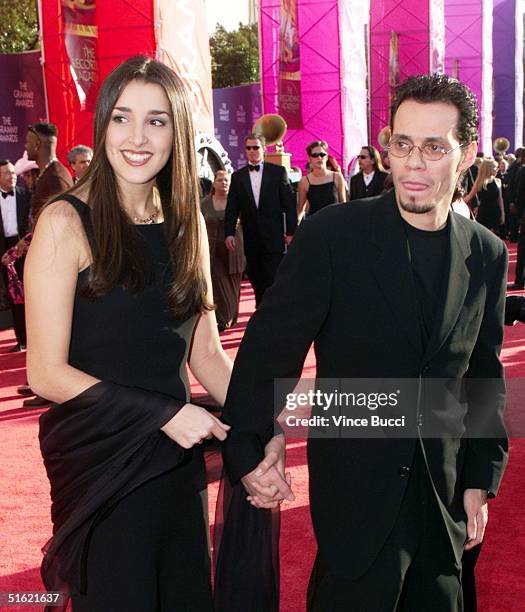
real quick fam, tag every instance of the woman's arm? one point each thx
(58, 251)
(302, 192)
(341, 186)
(471, 193)
(208, 362)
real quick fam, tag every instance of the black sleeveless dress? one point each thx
(319, 196)
(489, 212)
(150, 552)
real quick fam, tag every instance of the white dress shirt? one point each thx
(256, 180)
(9, 215)
(367, 178)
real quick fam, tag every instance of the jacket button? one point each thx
(404, 471)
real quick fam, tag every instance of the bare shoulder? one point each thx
(60, 228)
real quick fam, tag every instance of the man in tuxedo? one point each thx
(14, 220)
(260, 193)
(370, 179)
(401, 290)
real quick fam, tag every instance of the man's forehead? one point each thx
(426, 120)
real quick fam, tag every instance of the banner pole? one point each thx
(42, 56)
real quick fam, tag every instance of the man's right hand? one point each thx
(193, 424)
(229, 241)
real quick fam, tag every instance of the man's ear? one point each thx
(469, 155)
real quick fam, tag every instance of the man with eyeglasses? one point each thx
(370, 180)
(390, 289)
(261, 195)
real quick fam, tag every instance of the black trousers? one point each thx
(261, 268)
(150, 554)
(17, 310)
(520, 263)
(415, 570)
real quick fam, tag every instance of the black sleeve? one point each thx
(487, 443)
(353, 194)
(275, 345)
(233, 207)
(288, 202)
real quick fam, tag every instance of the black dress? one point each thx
(489, 212)
(149, 552)
(322, 195)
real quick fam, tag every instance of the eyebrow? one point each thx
(126, 109)
(427, 139)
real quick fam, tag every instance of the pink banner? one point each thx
(400, 46)
(290, 66)
(468, 55)
(321, 97)
(80, 31)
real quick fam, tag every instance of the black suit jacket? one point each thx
(346, 285)
(23, 207)
(359, 190)
(262, 226)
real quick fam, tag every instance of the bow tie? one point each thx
(255, 167)
(6, 193)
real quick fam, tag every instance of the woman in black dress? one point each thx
(487, 187)
(321, 186)
(118, 302)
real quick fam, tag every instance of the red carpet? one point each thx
(24, 492)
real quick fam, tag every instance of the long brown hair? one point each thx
(115, 244)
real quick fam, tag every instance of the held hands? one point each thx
(288, 240)
(229, 241)
(268, 485)
(193, 424)
(476, 507)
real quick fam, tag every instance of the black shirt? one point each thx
(429, 258)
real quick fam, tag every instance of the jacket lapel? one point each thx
(391, 267)
(245, 178)
(455, 287)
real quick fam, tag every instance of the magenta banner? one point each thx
(290, 66)
(22, 100)
(81, 44)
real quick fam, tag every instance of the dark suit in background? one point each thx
(359, 190)
(348, 285)
(262, 224)
(23, 207)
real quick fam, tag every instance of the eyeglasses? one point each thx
(363, 157)
(320, 154)
(431, 151)
(252, 147)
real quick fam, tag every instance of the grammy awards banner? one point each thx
(236, 109)
(290, 66)
(80, 31)
(23, 100)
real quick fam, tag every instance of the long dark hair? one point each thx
(115, 244)
(375, 157)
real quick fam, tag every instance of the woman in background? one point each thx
(226, 266)
(321, 186)
(487, 187)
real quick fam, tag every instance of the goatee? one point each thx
(418, 209)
